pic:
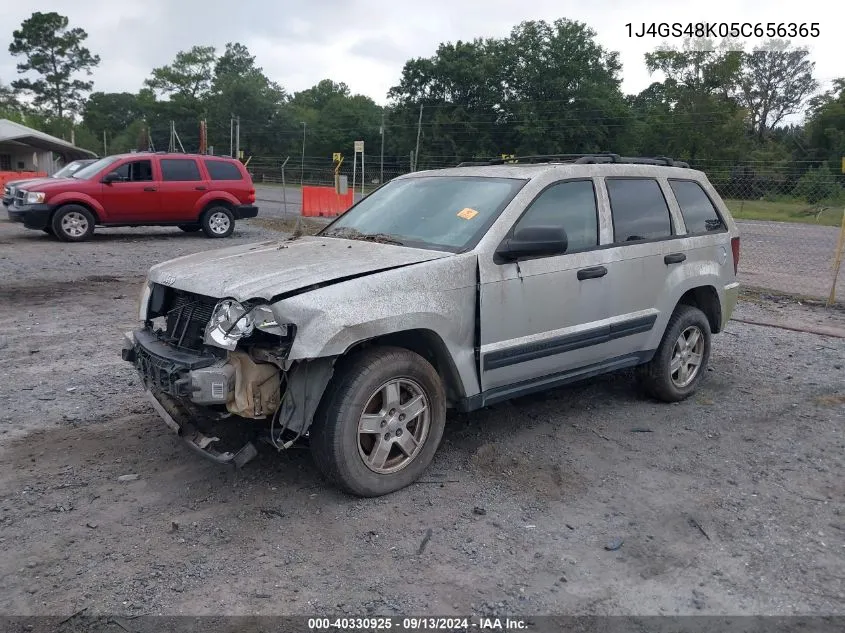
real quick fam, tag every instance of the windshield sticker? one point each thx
(467, 213)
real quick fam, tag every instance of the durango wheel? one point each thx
(218, 222)
(380, 422)
(73, 223)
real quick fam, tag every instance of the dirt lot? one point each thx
(729, 503)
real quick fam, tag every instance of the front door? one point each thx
(546, 316)
(134, 197)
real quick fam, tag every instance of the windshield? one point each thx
(440, 212)
(69, 169)
(95, 168)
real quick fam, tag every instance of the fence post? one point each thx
(837, 262)
(284, 188)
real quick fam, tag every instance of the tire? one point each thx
(190, 228)
(73, 223)
(657, 376)
(218, 222)
(360, 386)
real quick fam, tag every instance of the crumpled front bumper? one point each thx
(170, 376)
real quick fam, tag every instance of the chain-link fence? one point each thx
(790, 214)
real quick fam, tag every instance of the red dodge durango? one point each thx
(193, 192)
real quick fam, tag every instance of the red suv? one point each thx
(192, 192)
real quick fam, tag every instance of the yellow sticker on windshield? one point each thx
(467, 214)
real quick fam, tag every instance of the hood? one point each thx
(19, 183)
(278, 267)
(35, 182)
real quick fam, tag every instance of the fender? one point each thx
(75, 197)
(214, 196)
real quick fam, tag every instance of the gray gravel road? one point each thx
(728, 503)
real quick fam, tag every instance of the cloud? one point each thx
(365, 43)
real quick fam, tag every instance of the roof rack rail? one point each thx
(580, 159)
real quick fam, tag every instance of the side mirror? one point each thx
(534, 241)
(111, 177)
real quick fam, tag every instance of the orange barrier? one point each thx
(325, 201)
(6, 176)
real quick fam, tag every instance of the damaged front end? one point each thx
(217, 371)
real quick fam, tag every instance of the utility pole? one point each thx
(238, 138)
(105, 147)
(381, 175)
(302, 164)
(419, 128)
(231, 136)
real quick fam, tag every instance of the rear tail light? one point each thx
(735, 249)
(251, 196)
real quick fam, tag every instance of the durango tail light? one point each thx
(735, 250)
(250, 197)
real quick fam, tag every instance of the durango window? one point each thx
(136, 171)
(179, 169)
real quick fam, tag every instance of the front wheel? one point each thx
(681, 359)
(218, 222)
(380, 422)
(73, 223)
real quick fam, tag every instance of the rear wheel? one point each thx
(681, 360)
(218, 222)
(73, 223)
(190, 228)
(380, 422)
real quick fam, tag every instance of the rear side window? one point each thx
(136, 171)
(179, 169)
(222, 170)
(700, 215)
(571, 205)
(639, 209)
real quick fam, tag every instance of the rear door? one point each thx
(134, 197)
(182, 185)
(645, 248)
(225, 175)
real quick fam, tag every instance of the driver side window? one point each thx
(135, 171)
(570, 204)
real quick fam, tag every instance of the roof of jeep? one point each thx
(529, 171)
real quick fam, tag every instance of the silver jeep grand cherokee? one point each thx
(458, 288)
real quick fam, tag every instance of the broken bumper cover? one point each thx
(170, 375)
(197, 441)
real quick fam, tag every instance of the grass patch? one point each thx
(785, 211)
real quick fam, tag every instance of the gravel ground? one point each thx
(728, 503)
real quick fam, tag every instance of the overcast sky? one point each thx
(366, 42)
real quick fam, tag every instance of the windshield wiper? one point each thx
(355, 234)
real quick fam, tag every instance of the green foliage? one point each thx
(826, 124)
(818, 184)
(55, 54)
(188, 77)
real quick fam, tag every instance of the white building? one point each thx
(28, 150)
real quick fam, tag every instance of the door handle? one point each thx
(592, 273)
(674, 258)
(200, 188)
(149, 188)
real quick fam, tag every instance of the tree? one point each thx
(825, 127)
(110, 112)
(56, 53)
(319, 95)
(774, 82)
(189, 76)
(698, 117)
(10, 107)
